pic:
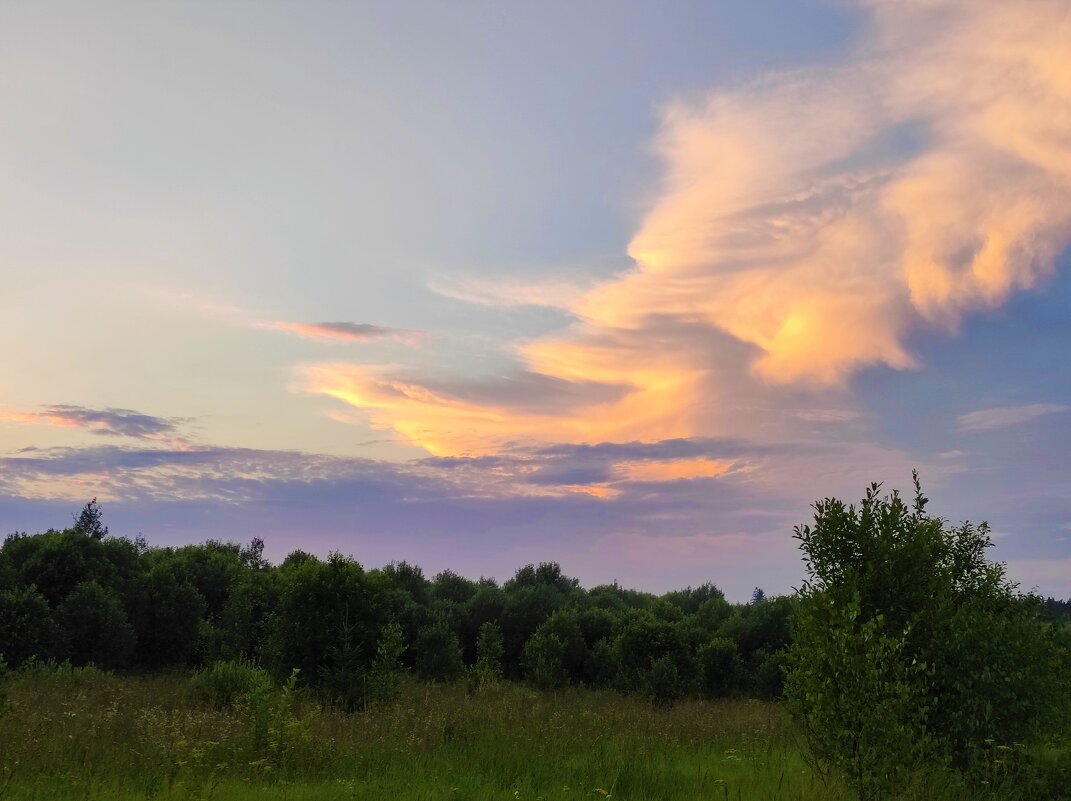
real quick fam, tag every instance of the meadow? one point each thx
(80, 733)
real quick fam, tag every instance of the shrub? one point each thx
(909, 646)
(664, 684)
(277, 737)
(227, 682)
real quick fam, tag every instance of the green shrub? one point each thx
(277, 737)
(227, 682)
(664, 684)
(911, 648)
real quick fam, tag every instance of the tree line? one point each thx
(84, 596)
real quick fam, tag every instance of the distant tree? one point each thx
(437, 652)
(94, 627)
(720, 667)
(89, 521)
(489, 651)
(319, 601)
(544, 660)
(909, 645)
(387, 669)
(664, 683)
(449, 586)
(758, 596)
(166, 611)
(26, 626)
(526, 607)
(343, 677)
(548, 574)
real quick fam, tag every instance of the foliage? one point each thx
(385, 678)
(909, 647)
(94, 627)
(27, 628)
(720, 667)
(225, 683)
(66, 594)
(487, 671)
(438, 652)
(89, 521)
(544, 660)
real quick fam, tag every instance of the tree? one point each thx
(544, 660)
(26, 626)
(489, 651)
(889, 630)
(166, 613)
(94, 628)
(438, 652)
(90, 521)
(387, 671)
(719, 666)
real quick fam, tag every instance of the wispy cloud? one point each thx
(344, 332)
(1004, 416)
(105, 422)
(788, 249)
(555, 293)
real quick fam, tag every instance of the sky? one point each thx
(626, 286)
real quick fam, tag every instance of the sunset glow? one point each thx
(635, 317)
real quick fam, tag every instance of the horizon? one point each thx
(473, 287)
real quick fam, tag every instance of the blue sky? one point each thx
(626, 286)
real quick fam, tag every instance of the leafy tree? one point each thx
(166, 613)
(26, 626)
(642, 640)
(664, 683)
(544, 660)
(322, 601)
(891, 630)
(94, 627)
(57, 561)
(438, 652)
(449, 586)
(720, 667)
(526, 607)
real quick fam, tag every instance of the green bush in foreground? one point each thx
(910, 650)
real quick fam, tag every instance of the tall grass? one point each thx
(68, 734)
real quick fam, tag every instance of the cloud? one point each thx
(1004, 416)
(462, 416)
(344, 332)
(807, 224)
(555, 293)
(105, 422)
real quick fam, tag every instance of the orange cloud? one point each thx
(806, 224)
(343, 332)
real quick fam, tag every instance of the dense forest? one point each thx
(81, 595)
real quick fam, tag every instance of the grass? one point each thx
(82, 734)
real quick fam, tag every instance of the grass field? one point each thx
(81, 734)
